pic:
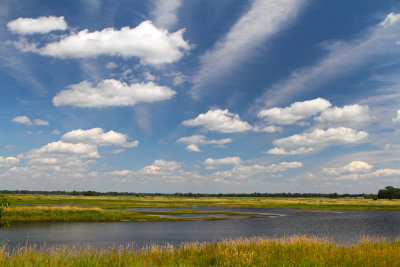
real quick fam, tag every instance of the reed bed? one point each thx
(293, 251)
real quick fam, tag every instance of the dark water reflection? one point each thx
(345, 227)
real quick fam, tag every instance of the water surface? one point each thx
(342, 226)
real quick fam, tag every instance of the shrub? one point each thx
(4, 203)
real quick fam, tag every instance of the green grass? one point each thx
(294, 251)
(110, 208)
(262, 202)
(47, 213)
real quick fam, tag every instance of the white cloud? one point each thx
(149, 77)
(22, 120)
(259, 23)
(40, 122)
(161, 167)
(247, 171)
(55, 132)
(8, 161)
(111, 92)
(282, 151)
(152, 45)
(27, 121)
(96, 136)
(390, 19)
(61, 148)
(210, 162)
(118, 151)
(347, 114)
(357, 170)
(357, 167)
(295, 112)
(397, 118)
(111, 65)
(178, 78)
(38, 25)
(386, 172)
(194, 141)
(164, 13)
(267, 129)
(341, 58)
(353, 167)
(220, 121)
(318, 138)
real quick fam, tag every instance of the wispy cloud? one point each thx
(165, 13)
(341, 58)
(260, 22)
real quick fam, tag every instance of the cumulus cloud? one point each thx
(194, 141)
(357, 170)
(219, 120)
(63, 148)
(347, 114)
(161, 167)
(37, 25)
(27, 121)
(352, 167)
(152, 45)
(318, 138)
(282, 151)
(295, 112)
(165, 13)
(97, 136)
(8, 161)
(111, 92)
(22, 120)
(259, 23)
(358, 166)
(212, 163)
(247, 171)
(341, 57)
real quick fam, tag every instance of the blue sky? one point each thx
(200, 96)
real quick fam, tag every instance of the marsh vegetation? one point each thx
(293, 251)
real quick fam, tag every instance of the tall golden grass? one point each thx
(292, 251)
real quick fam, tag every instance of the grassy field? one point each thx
(295, 251)
(61, 208)
(261, 202)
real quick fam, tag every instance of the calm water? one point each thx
(344, 227)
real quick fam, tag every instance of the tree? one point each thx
(4, 203)
(389, 192)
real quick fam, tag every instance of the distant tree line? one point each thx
(255, 194)
(389, 192)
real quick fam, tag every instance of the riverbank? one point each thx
(294, 251)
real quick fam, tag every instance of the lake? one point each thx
(345, 227)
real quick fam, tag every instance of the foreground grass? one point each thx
(261, 202)
(294, 251)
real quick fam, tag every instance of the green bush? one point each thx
(4, 203)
